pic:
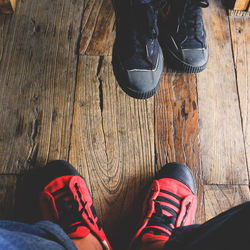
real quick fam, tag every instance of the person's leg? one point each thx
(228, 230)
(89, 242)
(42, 235)
(171, 202)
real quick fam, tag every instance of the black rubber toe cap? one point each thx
(195, 57)
(178, 172)
(53, 170)
(144, 81)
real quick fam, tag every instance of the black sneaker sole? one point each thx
(180, 66)
(138, 95)
(135, 94)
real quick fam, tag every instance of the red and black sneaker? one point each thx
(65, 200)
(171, 202)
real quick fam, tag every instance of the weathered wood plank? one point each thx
(222, 145)
(176, 126)
(240, 32)
(7, 196)
(98, 28)
(7, 6)
(219, 198)
(241, 4)
(112, 145)
(37, 76)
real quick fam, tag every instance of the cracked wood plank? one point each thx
(37, 76)
(112, 145)
(219, 198)
(176, 127)
(221, 138)
(98, 28)
(240, 32)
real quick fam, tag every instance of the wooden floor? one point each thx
(59, 100)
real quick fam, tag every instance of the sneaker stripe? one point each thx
(92, 208)
(172, 194)
(157, 231)
(170, 210)
(64, 196)
(168, 227)
(99, 224)
(167, 200)
(161, 228)
(64, 189)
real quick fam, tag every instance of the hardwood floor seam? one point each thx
(238, 95)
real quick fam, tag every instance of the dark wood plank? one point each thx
(219, 198)
(241, 50)
(176, 126)
(222, 145)
(37, 76)
(98, 28)
(112, 145)
(7, 196)
(7, 6)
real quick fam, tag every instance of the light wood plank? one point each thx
(241, 4)
(7, 196)
(219, 198)
(37, 76)
(176, 126)
(222, 145)
(112, 145)
(7, 6)
(98, 28)
(241, 49)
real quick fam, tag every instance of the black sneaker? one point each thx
(183, 36)
(137, 56)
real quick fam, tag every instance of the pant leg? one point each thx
(229, 230)
(42, 235)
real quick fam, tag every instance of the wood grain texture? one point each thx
(219, 198)
(7, 196)
(176, 126)
(98, 28)
(239, 13)
(241, 4)
(7, 6)
(37, 76)
(240, 32)
(112, 145)
(222, 145)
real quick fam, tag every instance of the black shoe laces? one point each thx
(143, 26)
(191, 17)
(158, 218)
(70, 217)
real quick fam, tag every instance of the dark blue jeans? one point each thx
(42, 235)
(229, 230)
